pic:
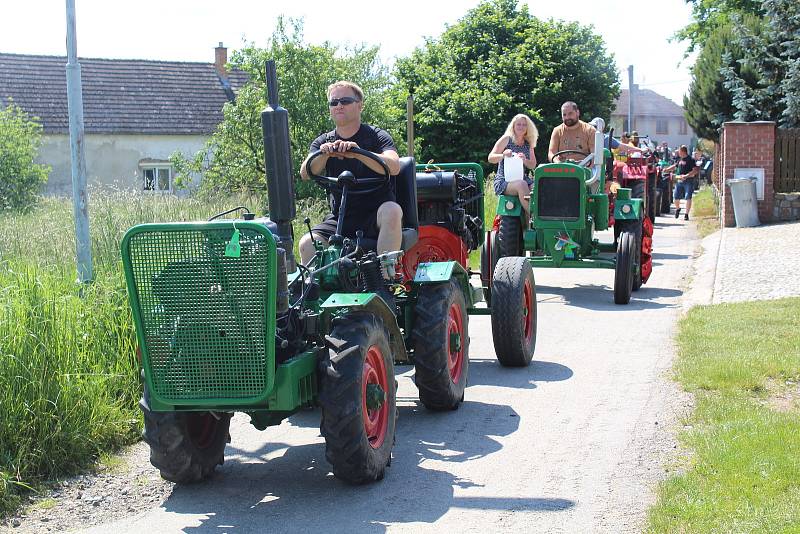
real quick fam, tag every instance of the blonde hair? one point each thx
(531, 134)
(349, 85)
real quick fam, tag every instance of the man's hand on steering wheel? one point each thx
(339, 149)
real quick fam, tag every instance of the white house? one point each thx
(136, 114)
(653, 115)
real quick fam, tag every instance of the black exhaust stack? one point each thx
(278, 166)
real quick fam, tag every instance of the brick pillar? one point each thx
(748, 145)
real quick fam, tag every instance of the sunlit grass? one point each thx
(69, 382)
(743, 473)
(705, 211)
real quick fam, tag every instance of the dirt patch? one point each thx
(131, 485)
(782, 395)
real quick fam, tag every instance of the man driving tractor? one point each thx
(376, 214)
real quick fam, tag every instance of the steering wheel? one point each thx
(573, 152)
(361, 186)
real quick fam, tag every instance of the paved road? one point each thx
(574, 443)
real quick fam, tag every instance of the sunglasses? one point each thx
(343, 101)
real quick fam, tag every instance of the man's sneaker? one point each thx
(677, 213)
(686, 216)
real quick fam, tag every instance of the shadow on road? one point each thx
(296, 492)
(600, 297)
(489, 372)
(667, 256)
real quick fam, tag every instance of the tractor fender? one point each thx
(509, 205)
(634, 213)
(339, 303)
(443, 271)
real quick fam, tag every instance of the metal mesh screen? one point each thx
(204, 316)
(559, 198)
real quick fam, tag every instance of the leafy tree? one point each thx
(497, 61)
(773, 53)
(233, 159)
(20, 178)
(709, 103)
(708, 15)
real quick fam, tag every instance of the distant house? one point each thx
(136, 114)
(653, 115)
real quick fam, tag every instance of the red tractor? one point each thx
(641, 173)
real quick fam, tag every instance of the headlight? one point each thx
(509, 205)
(626, 209)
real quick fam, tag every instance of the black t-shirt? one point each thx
(685, 166)
(358, 205)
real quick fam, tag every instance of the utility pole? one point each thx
(80, 199)
(630, 98)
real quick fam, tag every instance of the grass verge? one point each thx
(69, 383)
(743, 468)
(705, 212)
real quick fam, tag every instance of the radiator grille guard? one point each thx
(559, 198)
(205, 321)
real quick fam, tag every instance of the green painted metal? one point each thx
(432, 272)
(636, 209)
(624, 193)
(509, 206)
(205, 321)
(598, 208)
(584, 263)
(340, 303)
(295, 383)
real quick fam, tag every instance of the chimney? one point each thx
(220, 59)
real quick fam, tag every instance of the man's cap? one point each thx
(634, 134)
(625, 134)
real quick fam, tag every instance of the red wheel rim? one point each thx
(455, 336)
(376, 421)
(527, 311)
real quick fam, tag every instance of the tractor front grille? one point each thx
(207, 319)
(559, 198)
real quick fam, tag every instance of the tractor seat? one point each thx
(405, 189)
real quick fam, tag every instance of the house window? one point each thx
(682, 128)
(157, 179)
(662, 127)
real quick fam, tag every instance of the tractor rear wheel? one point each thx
(358, 398)
(185, 446)
(514, 312)
(509, 236)
(489, 257)
(657, 203)
(440, 339)
(623, 272)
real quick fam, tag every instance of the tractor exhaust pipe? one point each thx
(278, 167)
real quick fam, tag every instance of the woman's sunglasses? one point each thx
(343, 101)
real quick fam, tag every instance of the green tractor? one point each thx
(227, 321)
(568, 204)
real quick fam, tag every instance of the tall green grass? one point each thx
(68, 378)
(742, 473)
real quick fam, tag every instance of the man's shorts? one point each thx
(368, 224)
(684, 190)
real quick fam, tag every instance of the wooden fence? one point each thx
(787, 160)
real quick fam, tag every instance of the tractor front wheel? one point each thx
(185, 447)
(514, 312)
(623, 272)
(509, 236)
(440, 340)
(489, 256)
(358, 398)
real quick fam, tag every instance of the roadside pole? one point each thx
(630, 98)
(80, 198)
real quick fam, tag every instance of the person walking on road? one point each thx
(685, 174)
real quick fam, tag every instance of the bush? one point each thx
(20, 178)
